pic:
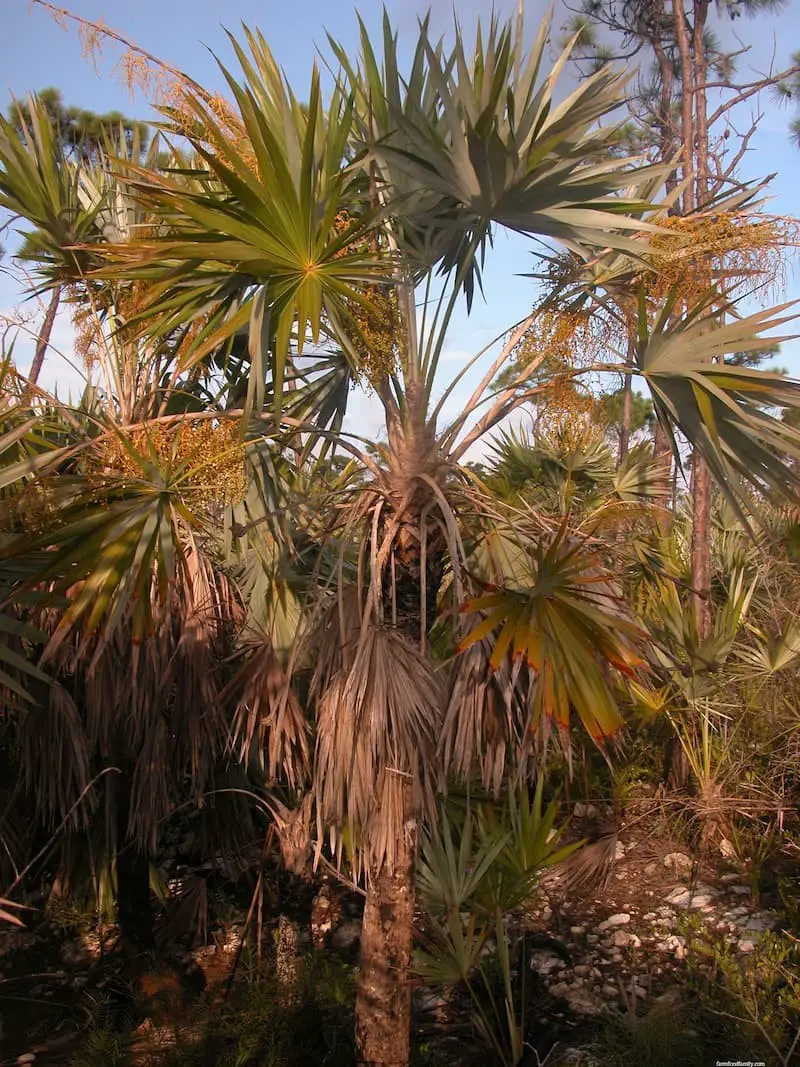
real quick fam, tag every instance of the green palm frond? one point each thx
(726, 412)
(640, 476)
(673, 624)
(522, 459)
(295, 211)
(567, 625)
(532, 844)
(19, 638)
(768, 653)
(41, 187)
(117, 532)
(479, 861)
(473, 139)
(264, 244)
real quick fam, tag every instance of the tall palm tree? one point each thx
(130, 480)
(39, 186)
(440, 632)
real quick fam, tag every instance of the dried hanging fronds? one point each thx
(377, 727)
(269, 725)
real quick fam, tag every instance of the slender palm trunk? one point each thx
(627, 408)
(383, 1003)
(663, 454)
(134, 910)
(43, 340)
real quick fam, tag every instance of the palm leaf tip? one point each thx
(730, 414)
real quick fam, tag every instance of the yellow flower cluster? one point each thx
(373, 323)
(34, 507)
(695, 252)
(204, 459)
(568, 339)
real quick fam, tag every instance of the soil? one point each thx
(625, 942)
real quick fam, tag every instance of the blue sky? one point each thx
(39, 53)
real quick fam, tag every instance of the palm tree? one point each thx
(39, 185)
(130, 480)
(312, 244)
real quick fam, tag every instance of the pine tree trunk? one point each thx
(43, 340)
(383, 1002)
(701, 490)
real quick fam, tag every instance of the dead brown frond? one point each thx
(269, 726)
(482, 719)
(55, 755)
(377, 728)
(335, 639)
(153, 706)
(589, 869)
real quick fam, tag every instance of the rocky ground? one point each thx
(628, 942)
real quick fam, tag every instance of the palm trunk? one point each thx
(663, 454)
(43, 340)
(383, 1002)
(134, 911)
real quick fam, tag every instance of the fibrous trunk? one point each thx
(411, 582)
(134, 911)
(383, 1003)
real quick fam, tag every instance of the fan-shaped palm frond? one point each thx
(40, 187)
(308, 208)
(119, 529)
(640, 476)
(768, 653)
(566, 625)
(276, 242)
(725, 411)
(473, 139)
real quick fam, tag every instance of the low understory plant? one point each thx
(479, 863)
(260, 1024)
(758, 991)
(658, 1037)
